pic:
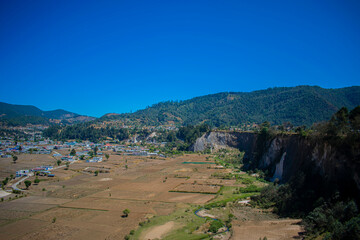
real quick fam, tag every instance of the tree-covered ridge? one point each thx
(302, 105)
(17, 115)
(85, 131)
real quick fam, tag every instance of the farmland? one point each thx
(161, 194)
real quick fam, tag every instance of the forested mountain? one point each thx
(23, 114)
(302, 105)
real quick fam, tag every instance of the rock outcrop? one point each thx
(217, 140)
(284, 156)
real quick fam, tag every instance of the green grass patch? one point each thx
(198, 163)
(192, 192)
(185, 217)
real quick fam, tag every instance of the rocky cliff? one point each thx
(285, 156)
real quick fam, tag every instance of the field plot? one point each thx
(162, 196)
(197, 188)
(273, 230)
(25, 161)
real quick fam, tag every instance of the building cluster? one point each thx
(41, 171)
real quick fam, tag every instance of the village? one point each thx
(81, 189)
(63, 153)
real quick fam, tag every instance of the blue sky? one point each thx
(96, 57)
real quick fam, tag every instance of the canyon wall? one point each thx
(284, 156)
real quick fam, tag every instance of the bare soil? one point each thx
(76, 204)
(197, 188)
(159, 231)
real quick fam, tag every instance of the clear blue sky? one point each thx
(96, 57)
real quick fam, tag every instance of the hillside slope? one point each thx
(302, 105)
(22, 114)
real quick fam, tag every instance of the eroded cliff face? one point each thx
(218, 140)
(284, 156)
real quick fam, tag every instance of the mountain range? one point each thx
(301, 105)
(23, 114)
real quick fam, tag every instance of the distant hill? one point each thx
(301, 105)
(23, 114)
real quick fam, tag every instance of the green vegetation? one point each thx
(36, 181)
(73, 152)
(21, 115)
(85, 131)
(197, 163)
(334, 220)
(190, 133)
(5, 181)
(24, 120)
(342, 131)
(185, 218)
(230, 158)
(276, 105)
(16, 191)
(126, 212)
(15, 158)
(215, 225)
(27, 183)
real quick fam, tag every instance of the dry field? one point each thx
(197, 188)
(25, 161)
(76, 204)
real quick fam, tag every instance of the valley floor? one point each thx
(161, 194)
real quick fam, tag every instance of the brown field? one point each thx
(272, 229)
(25, 161)
(197, 188)
(76, 204)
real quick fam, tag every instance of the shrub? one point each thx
(126, 212)
(27, 184)
(16, 191)
(36, 181)
(215, 226)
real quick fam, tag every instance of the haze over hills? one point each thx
(301, 105)
(18, 114)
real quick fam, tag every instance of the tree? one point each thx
(96, 172)
(58, 162)
(15, 158)
(171, 137)
(354, 118)
(107, 156)
(95, 150)
(73, 152)
(27, 184)
(338, 126)
(215, 226)
(36, 181)
(126, 212)
(5, 181)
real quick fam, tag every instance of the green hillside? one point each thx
(15, 115)
(302, 105)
